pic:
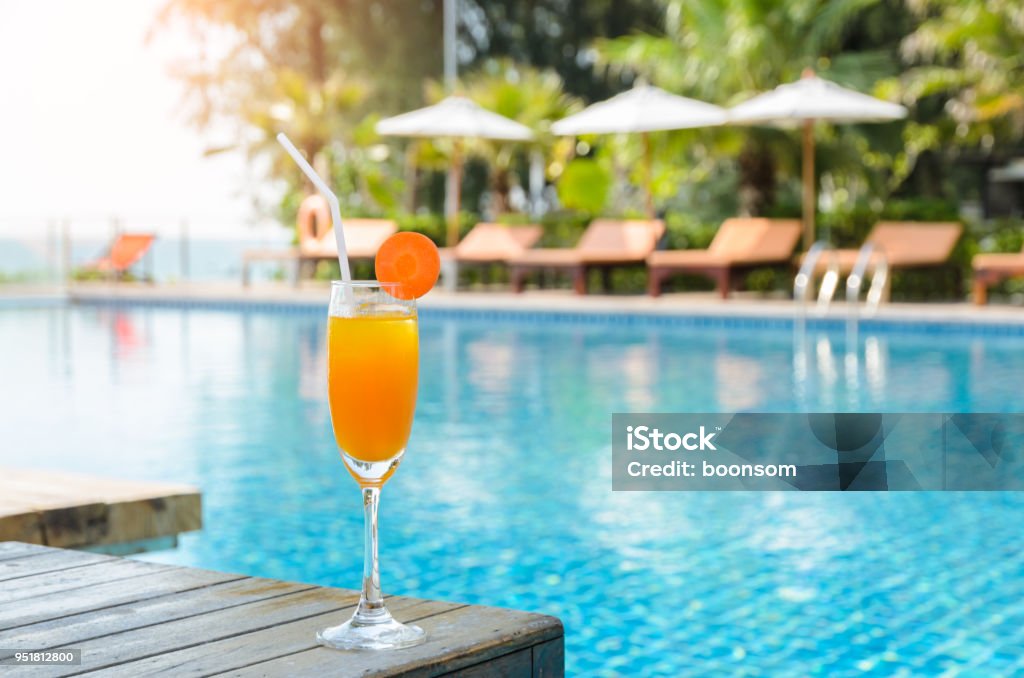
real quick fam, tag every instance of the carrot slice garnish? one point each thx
(410, 259)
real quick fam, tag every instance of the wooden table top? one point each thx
(135, 618)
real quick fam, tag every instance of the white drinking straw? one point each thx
(339, 232)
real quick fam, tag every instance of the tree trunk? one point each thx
(501, 186)
(757, 178)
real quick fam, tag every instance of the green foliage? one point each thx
(967, 53)
(585, 186)
(687, 232)
(93, 275)
(21, 277)
(1002, 235)
(554, 34)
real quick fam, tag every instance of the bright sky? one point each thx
(92, 126)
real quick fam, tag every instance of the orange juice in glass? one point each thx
(372, 369)
(372, 374)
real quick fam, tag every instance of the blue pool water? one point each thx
(504, 498)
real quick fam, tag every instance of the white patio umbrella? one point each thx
(642, 109)
(456, 118)
(805, 101)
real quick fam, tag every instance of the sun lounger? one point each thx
(363, 237)
(991, 269)
(740, 245)
(488, 244)
(605, 244)
(126, 250)
(905, 244)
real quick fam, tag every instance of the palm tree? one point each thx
(265, 67)
(725, 51)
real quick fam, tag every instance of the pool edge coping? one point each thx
(592, 311)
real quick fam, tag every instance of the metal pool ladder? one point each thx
(805, 278)
(801, 295)
(869, 255)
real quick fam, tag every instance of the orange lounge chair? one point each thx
(488, 244)
(741, 244)
(605, 244)
(363, 237)
(905, 244)
(990, 269)
(126, 250)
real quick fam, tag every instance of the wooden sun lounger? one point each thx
(363, 237)
(741, 244)
(605, 244)
(488, 244)
(991, 269)
(905, 244)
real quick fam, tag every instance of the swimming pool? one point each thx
(505, 499)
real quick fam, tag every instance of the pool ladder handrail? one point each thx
(805, 277)
(869, 255)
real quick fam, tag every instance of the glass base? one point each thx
(383, 634)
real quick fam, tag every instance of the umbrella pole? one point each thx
(808, 179)
(455, 193)
(649, 176)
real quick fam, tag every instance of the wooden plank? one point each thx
(16, 549)
(47, 562)
(241, 649)
(140, 651)
(18, 525)
(59, 604)
(71, 629)
(76, 578)
(154, 517)
(457, 638)
(62, 509)
(549, 659)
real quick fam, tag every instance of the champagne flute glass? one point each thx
(372, 373)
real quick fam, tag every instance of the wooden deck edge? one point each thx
(488, 658)
(114, 514)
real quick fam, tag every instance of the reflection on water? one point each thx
(504, 497)
(739, 382)
(816, 373)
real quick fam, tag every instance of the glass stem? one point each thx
(371, 602)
